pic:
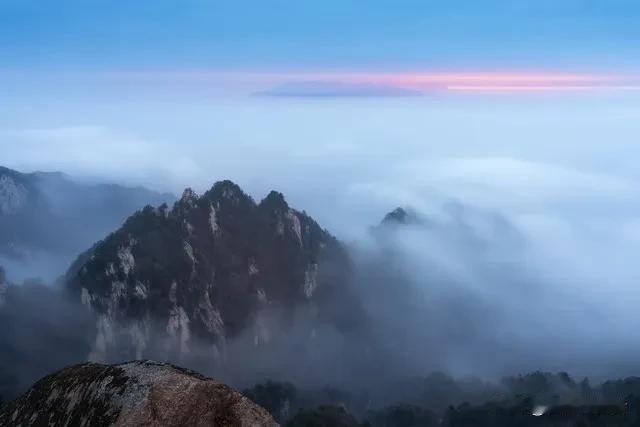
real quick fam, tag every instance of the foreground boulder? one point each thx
(132, 394)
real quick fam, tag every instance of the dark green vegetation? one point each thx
(402, 415)
(275, 397)
(524, 414)
(323, 416)
(536, 399)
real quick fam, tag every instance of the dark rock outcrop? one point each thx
(132, 394)
(401, 216)
(203, 271)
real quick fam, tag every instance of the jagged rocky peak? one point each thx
(188, 196)
(402, 216)
(133, 393)
(203, 271)
(227, 190)
(275, 201)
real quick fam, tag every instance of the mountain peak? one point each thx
(204, 270)
(275, 201)
(227, 192)
(401, 216)
(188, 196)
(227, 189)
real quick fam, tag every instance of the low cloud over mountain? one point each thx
(244, 290)
(46, 219)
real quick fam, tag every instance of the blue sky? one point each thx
(328, 34)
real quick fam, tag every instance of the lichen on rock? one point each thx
(132, 394)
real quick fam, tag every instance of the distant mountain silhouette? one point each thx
(50, 215)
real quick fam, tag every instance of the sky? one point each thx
(457, 45)
(333, 34)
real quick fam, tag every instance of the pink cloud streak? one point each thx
(496, 81)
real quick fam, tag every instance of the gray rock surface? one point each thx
(138, 393)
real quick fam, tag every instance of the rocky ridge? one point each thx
(203, 271)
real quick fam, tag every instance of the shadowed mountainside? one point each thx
(46, 219)
(206, 270)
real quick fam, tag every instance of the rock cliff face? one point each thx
(132, 394)
(14, 191)
(203, 271)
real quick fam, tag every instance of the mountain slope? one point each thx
(203, 271)
(3, 286)
(48, 215)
